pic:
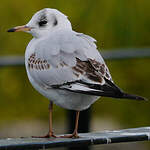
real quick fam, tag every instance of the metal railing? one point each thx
(118, 54)
(105, 137)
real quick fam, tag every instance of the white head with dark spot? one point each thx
(43, 22)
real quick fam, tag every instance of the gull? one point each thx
(65, 66)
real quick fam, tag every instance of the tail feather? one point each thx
(109, 89)
(131, 96)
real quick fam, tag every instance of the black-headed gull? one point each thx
(65, 66)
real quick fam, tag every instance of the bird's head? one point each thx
(44, 22)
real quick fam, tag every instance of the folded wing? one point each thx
(70, 61)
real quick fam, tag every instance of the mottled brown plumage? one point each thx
(92, 69)
(37, 63)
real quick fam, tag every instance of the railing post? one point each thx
(84, 124)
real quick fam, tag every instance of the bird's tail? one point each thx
(112, 90)
(131, 96)
(109, 89)
(118, 93)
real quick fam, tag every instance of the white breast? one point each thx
(65, 99)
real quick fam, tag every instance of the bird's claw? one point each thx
(49, 135)
(74, 135)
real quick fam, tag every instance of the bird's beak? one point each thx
(20, 28)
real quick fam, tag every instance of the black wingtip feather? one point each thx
(107, 90)
(135, 97)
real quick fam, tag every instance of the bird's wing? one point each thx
(70, 62)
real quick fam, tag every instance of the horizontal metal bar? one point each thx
(129, 53)
(105, 137)
(120, 54)
(11, 61)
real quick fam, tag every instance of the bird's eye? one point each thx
(42, 23)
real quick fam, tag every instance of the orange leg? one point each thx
(75, 132)
(50, 133)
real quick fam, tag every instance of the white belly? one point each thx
(65, 99)
(62, 98)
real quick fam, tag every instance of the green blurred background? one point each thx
(115, 24)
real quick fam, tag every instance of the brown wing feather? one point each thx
(37, 63)
(101, 68)
(92, 69)
(96, 72)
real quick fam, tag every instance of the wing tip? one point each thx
(135, 97)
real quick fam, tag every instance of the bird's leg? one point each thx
(75, 132)
(50, 133)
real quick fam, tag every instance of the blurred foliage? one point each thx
(115, 24)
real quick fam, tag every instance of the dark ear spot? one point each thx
(55, 22)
